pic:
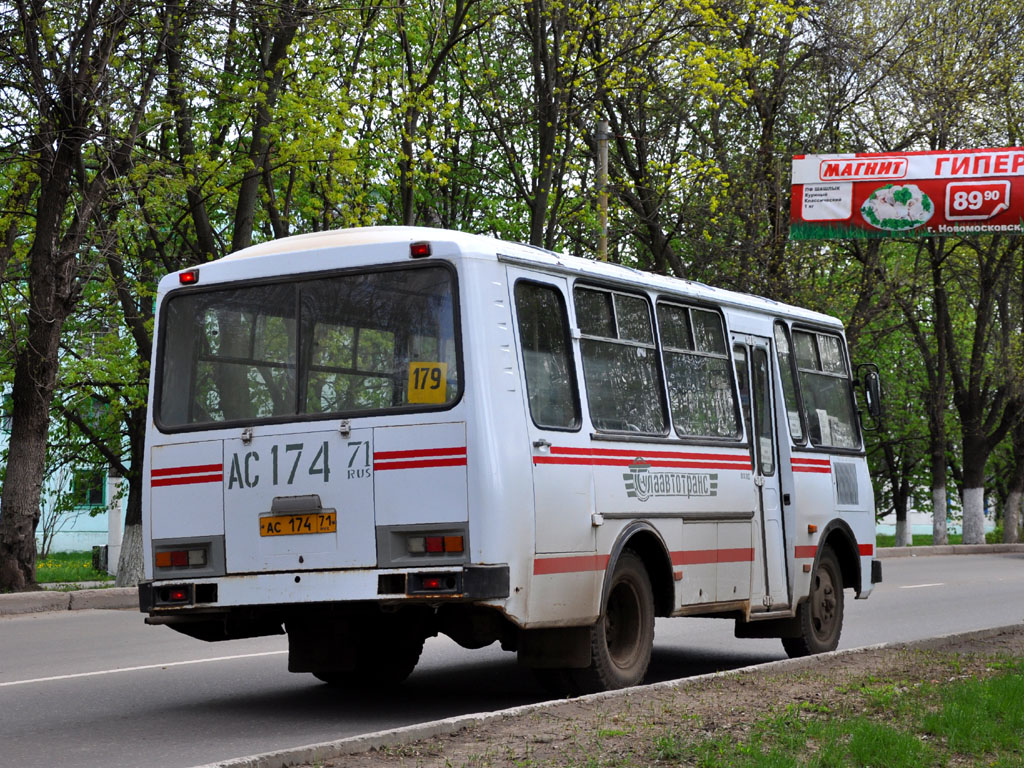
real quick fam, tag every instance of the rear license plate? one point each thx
(294, 525)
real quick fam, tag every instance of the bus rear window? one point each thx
(338, 345)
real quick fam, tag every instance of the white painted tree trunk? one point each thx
(129, 567)
(1011, 518)
(904, 538)
(974, 516)
(940, 534)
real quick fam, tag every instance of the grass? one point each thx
(68, 566)
(925, 539)
(972, 722)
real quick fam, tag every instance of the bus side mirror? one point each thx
(872, 384)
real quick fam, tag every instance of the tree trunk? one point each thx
(26, 464)
(974, 515)
(940, 532)
(904, 536)
(130, 564)
(1011, 517)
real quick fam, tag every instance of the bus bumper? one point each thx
(461, 584)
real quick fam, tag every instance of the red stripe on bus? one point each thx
(571, 564)
(573, 461)
(708, 556)
(419, 453)
(583, 563)
(808, 552)
(816, 469)
(580, 457)
(676, 455)
(421, 464)
(199, 470)
(188, 480)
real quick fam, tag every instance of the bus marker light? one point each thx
(431, 582)
(812, 528)
(178, 595)
(419, 250)
(188, 277)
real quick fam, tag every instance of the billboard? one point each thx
(908, 194)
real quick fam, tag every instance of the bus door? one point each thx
(752, 355)
(559, 450)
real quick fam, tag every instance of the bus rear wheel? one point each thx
(622, 639)
(382, 662)
(820, 616)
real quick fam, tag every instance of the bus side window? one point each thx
(696, 359)
(782, 348)
(620, 362)
(826, 390)
(547, 358)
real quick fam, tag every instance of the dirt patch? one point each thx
(624, 726)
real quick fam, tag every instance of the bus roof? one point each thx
(451, 242)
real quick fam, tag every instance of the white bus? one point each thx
(364, 438)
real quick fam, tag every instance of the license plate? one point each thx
(294, 525)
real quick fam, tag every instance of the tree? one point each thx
(60, 61)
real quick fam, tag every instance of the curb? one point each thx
(884, 553)
(117, 598)
(313, 754)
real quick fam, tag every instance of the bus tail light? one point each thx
(175, 594)
(435, 545)
(188, 277)
(419, 250)
(181, 558)
(434, 583)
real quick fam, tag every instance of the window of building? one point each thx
(88, 488)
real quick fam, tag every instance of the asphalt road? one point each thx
(99, 688)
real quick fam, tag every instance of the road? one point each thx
(99, 688)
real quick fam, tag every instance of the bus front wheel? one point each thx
(820, 616)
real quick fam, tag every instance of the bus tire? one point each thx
(382, 663)
(820, 616)
(622, 639)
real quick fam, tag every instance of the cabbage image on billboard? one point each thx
(911, 194)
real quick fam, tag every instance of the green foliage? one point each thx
(63, 567)
(480, 115)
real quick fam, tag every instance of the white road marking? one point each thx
(921, 586)
(142, 668)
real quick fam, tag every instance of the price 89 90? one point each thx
(976, 200)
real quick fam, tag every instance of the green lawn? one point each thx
(968, 723)
(68, 566)
(925, 539)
